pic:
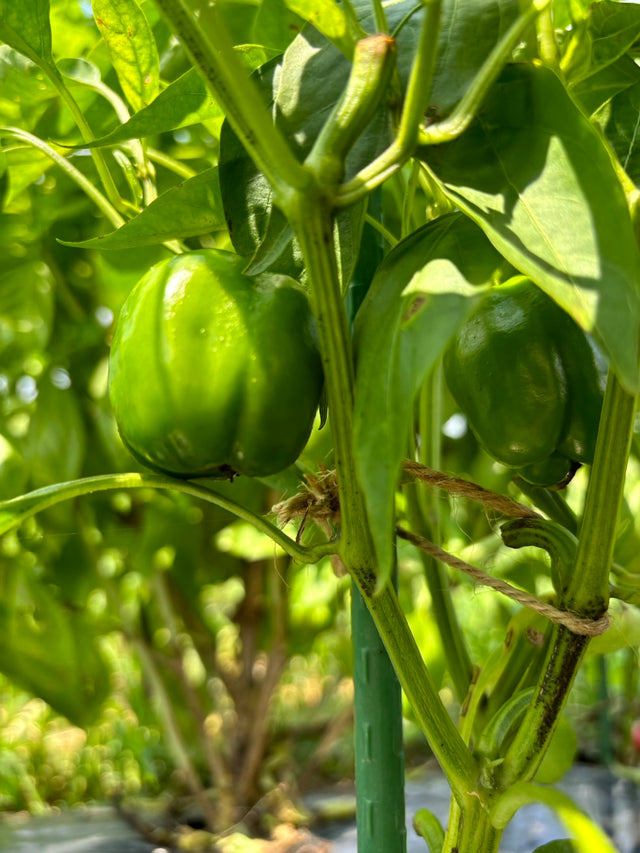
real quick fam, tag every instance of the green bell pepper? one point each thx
(529, 382)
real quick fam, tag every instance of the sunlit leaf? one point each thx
(328, 18)
(611, 28)
(132, 47)
(189, 209)
(185, 102)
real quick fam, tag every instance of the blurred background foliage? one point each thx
(150, 644)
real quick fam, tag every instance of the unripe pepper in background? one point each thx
(528, 380)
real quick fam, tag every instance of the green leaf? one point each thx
(55, 444)
(24, 24)
(561, 845)
(328, 18)
(51, 651)
(598, 89)
(587, 837)
(132, 48)
(80, 71)
(535, 175)
(622, 128)
(623, 633)
(276, 25)
(421, 293)
(188, 209)
(26, 310)
(25, 90)
(185, 102)
(25, 165)
(469, 30)
(611, 29)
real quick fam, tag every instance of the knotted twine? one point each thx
(319, 500)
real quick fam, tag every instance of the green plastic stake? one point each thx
(379, 752)
(380, 807)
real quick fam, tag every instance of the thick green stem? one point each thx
(588, 592)
(202, 32)
(470, 829)
(312, 223)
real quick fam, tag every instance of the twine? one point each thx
(317, 499)
(463, 488)
(576, 624)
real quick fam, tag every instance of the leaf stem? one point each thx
(418, 91)
(87, 134)
(13, 512)
(464, 113)
(84, 183)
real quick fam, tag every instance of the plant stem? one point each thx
(470, 829)
(424, 514)
(588, 591)
(202, 32)
(455, 650)
(312, 223)
(165, 710)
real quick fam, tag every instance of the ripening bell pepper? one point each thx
(529, 381)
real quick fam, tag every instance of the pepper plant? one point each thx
(400, 164)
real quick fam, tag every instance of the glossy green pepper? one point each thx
(529, 382)
(212, 371)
